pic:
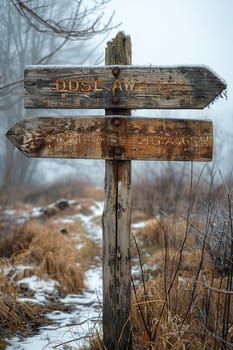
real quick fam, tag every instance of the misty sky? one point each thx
(177, 32)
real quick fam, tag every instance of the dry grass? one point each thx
(164, 232)
(17, 240)
(16, 317)
(187, 304)
(164, 237)
(76, 189)
(51, 255)
(48, 254)
(166, 321)
(49, 249)
(89, 252)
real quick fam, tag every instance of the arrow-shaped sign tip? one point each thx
(12, 136)
(24, 139)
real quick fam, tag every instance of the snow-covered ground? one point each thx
(69, 329)
(82, 317)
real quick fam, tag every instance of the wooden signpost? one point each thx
(118, 138)
(114, 137)
(122, 87)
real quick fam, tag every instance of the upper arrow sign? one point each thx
(120, 87)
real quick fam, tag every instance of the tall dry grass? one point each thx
(188, 303)
(187, 315)
(41, 249)
(49, 253)
(16, 317)
(185, 302)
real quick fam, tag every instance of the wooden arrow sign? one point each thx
(115, 137)
(120, 87)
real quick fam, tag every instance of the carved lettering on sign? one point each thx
(97, 137)
(68, 140)
(54, 142)
(171, 86)
(86, 85)
(97, 85)
(129, 84)
(82, 85)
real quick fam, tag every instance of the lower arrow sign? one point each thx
(114, 137)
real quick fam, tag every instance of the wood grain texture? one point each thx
(114, 137)
(116, 256)
(116, 229)
(136, 87)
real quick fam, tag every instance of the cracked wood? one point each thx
(136, 87)
(114, 137)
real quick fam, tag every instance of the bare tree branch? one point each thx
(35, 32)
(81, 23)
(69, 27)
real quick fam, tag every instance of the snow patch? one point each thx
(41, 288)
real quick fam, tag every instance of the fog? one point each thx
(181, 32)
(165, 33)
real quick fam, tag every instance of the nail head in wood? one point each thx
(116, 121)
(116, 71)
(118, 150)
(116, 100)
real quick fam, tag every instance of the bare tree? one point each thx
(76, 25)
(79, 23)
(40, 32)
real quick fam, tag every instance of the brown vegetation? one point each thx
(76, 189)
(15, 316)
(49, 252)
(46, 248)
(183, 299)
(187, 301)
(186, 315)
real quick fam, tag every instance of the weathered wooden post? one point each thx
(116, 222)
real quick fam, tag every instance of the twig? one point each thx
(211, 333)
(49, 26)
(180, 254)
(145, 295)
(217, 290)
(76, 324)
(208, 215)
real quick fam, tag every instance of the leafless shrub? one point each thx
(188, 304)
(39, 194)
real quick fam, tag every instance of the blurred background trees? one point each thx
(40, 32)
